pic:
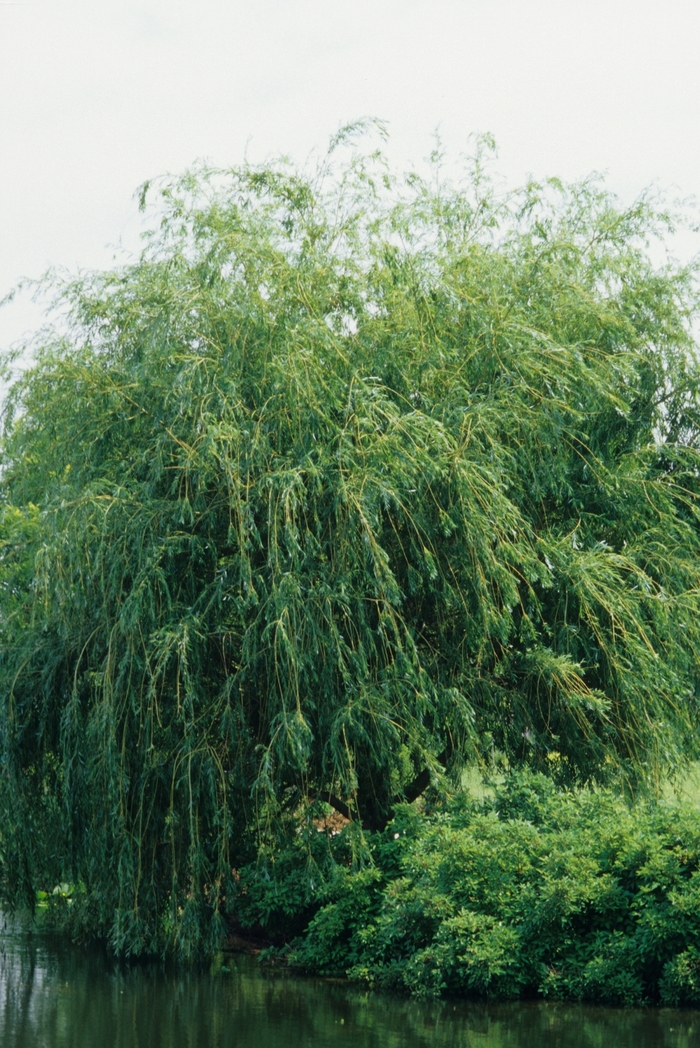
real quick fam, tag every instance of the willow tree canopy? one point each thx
(347, 480)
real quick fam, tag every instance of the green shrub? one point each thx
(534, 892)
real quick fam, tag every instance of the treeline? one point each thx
(349, 480)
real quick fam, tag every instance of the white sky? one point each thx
(98, 95)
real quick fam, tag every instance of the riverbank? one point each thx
(528, 892)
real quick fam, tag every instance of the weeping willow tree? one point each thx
(347, 480)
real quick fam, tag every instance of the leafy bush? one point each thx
(535, 892)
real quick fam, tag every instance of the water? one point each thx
(53, 995)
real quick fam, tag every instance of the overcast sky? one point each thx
(98, 95)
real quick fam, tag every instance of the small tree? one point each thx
(347, 480)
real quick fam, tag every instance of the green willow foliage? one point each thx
(347, 480)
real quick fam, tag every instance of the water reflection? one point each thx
(55, 996)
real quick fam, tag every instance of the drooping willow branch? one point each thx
(347, 480)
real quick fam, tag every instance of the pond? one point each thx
(54, 995)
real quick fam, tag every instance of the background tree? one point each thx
(349, 479)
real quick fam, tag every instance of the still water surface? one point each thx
(53, 995)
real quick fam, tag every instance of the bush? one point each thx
(533, 892)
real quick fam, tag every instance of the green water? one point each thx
(53, 995)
